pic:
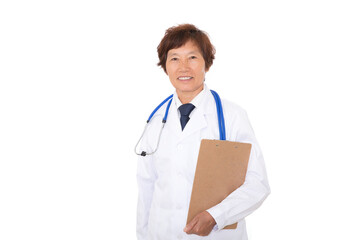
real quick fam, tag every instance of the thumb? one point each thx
(190, 225)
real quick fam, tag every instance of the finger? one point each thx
(190, 225)
(194, 229)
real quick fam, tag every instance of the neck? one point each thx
(187, 97)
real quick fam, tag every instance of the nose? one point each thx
(184, 65)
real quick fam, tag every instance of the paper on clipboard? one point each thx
(221, 168)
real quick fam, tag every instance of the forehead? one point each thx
(188, 47)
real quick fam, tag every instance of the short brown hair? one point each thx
(178, 36)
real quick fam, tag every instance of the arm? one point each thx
(248, 197)
(243, 200)
(146, 176)
(236, 206)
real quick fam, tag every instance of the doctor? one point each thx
(165, 178)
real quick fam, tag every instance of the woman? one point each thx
(165, 178)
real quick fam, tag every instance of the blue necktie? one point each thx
(185, 111)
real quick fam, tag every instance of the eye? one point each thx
(193, 57)
(174, 59)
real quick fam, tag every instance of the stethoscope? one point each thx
(169, 100)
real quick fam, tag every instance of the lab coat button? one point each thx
(180, 147)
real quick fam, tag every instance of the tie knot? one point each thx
(186, 109)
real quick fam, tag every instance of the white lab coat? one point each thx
(165, 179)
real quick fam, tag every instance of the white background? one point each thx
(79, 79)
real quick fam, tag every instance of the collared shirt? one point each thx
(196, 101)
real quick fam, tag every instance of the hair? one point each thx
(178, 36)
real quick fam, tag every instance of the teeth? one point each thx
(184, 78)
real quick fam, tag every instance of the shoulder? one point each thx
(237, 122)
(158, 111)
(233, 109)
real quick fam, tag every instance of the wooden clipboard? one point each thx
(221, 168)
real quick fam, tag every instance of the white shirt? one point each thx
(165, 178)
(196, 101)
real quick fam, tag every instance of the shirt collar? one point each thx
(196, 101)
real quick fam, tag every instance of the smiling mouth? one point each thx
(184, 78)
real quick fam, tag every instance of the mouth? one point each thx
(184, 78)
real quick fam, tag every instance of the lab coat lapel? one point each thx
(196, 123)
(198, 119)
(173, 121)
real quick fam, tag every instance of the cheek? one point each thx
(170, 68)
(171, 74)
(201, 70)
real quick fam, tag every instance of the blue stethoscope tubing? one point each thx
(220, 115)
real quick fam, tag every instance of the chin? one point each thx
(187, 86)
(186, 89)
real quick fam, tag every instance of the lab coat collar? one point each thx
(196, 101)
(206, 105)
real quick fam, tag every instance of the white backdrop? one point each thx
(79, 79)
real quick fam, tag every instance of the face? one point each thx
(185, 67)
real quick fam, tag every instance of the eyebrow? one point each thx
(192, 52)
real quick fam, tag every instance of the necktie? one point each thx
(185, 111)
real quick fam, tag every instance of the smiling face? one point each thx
(185, 67)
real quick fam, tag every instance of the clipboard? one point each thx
(221, 168)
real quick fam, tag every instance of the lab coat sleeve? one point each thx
(248, 197)
(146, 176)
